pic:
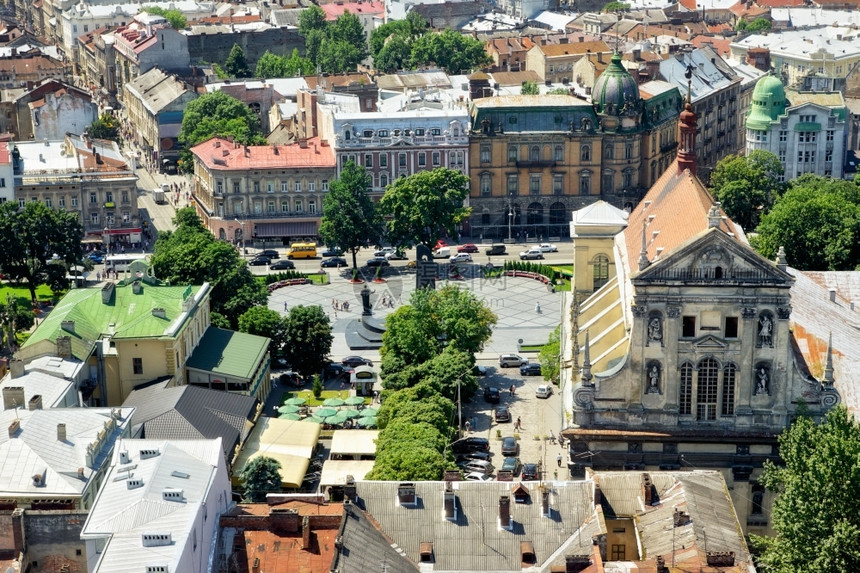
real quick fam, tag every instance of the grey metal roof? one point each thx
(364, 546)
(191, 413)
(474, 541)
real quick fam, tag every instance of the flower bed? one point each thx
(285, 283)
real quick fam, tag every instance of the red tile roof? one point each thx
(4, 153)
(332, 11)
(220, 154)
(688, 4)
(675, 210)
(721, 45)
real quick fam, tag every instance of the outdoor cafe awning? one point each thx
(288, 229)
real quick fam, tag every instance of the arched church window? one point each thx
(729, 375)
(706, 396)
(686, 391)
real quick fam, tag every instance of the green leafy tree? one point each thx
(399, 430)
(759, 25)
(260, 476)
(317, 386)
(349, 218)
(413, 27)
(264, 321)
(339, 56)
(274, 66)
(616, 7)
(450, 50)
(816, 515)
(747, 186)
(445, 372)
(31, 237)
(394, 55)
(314, 41)
(550, 357)
(15, 317)
(817, 221)
(175, 17)
(530, 88)
(347, 28)
(236, 65)
(421, 403)
(410, 460)
(558, 91)
(105, 127)
(307, 339)
(190, 255)
(423, 206)
(312, 27)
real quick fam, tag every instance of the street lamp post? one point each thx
(510, 216)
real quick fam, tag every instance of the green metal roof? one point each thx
(768, 103)
(615, 89)
(531, 113)
(228, 353)
(126, 315)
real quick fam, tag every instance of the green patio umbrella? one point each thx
(337, 419)
(288, 409)
(333, 402)
(325, 412)
(350, 413)
(370, 411)
(366, 422)
(290, 416)
(354, 400)
(296, 401)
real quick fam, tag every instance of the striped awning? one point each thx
(290, 229)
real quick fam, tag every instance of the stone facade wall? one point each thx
(214, 48)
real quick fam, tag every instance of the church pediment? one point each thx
(709, 343)
(713, 257)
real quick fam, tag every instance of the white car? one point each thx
(461, 258)
(533, 253)
(477, 476)
(548, 248)
(543, 391)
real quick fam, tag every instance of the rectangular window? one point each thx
(731, 327)
(298, 187)
(94, 218)
(49, 203)
(256, 186)
(284, 187)
(93, 198)
(383, 160)
(382, 133)
(312, 207)
(285, 207)
(783, 136)
(619, 552)
(22, 203)
(512, 153)
(298, 206)
(437, 159)
(368, 160)
(686, 390)
(125, 196)
(270, 206)
(485, 154)
(422, 159)
(435, 131)
(312, 186)
(109, 197)
(219, 187)
(325, 185)
(401, 159)
(74, 201)
(2, 182)
(728, 408)
(688, 328)
(513, 185)
(557, 184)
(534, 184)
(137, 365)
(367, 133)
(270, 188)
(829, 138)
(584, 185)
(61, 202)
(236, 187)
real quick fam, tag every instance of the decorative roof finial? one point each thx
(643, 252)
(586, 362)
(689, 75)
(828, 365)
(781, 259)
(714, 216)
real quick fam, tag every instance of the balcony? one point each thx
(536, 163)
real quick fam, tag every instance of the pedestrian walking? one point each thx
(468, 426)
(558, 459)
(285, 305)
(98, 277)
(519, 424)
(513, 389)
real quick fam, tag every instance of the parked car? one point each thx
(479, 370)
(543, 391)
(502, 414)
(467, 248)
(461, 258)
(335, 370)
(530, 472)
(377, 262)
(471, 444)
(511, 465)
(479, 466)
(548, 248)
(533, 253)
(336, 262)
(332, 252)
(492, 395)
(282, 265)
(259, 261)
(496, 250)
(510, 446)
(271, 253)
(396, 256)
(530, 369)
(354, 361)
(508, 360)
(473, 456)
(383, 253)
(96, 258)
(477, 476)
(442, 253)
(439, 244)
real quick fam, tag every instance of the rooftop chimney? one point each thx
(159, 312)
(681, 518)
(61, 432)
(107, 293)
(16, 368)
(544, 501)
(14, 427)
(35, 403)
(505, 512)
(832, 294)
(68, 326)
(714, 216)
(406, 494)
(450, 502)
(64, 347)
(136, 287)
(13, 396)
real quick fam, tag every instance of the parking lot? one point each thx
(538, 416)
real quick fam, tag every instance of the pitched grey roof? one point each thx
(361, 540)
(192, 413)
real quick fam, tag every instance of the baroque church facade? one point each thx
(679, 349)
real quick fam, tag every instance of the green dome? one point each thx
(768, 103)
(614, 89)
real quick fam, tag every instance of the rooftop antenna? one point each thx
(617, 30)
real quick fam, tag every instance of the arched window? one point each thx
(585, 153)
(534, 153)
(608, 152)
(686, 394)
(729, 373)
(559, 153)
(383, 180)
(628, 151)
(706, 396)
(584, 183)
(600, 265)
(486, 188)
(222, 234)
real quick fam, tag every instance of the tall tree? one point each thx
(273, 66)
(347, 28)
(408, 30)
(260, 476)
(264, 321)
(312, 27)
(175, 17)
(339, 56)
(236, 65)
(747, 186)
(817, 221)
(454, 52)
(349, 216)
(393, 56)
(190, 255)
(550, 356)
(105, 127)
(14, 318)
(423, 206)
(31, 237)
(816, 515)
(307, 339)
